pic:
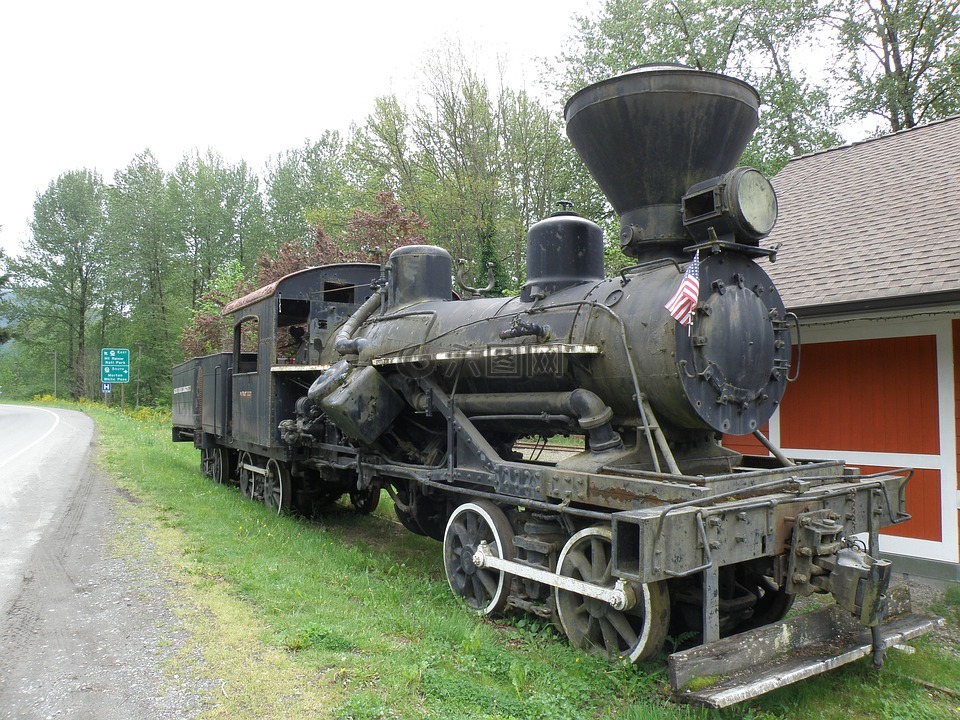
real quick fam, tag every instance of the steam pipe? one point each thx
(592, 413)
(345, 343)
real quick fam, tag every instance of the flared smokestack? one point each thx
(651, 133)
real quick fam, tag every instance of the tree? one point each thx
(207, 331)
(4, 283)
(479, 164)
(306, 187)
(59, 278)
(147, 292)
(901, 59)
(219, 214)
(754, 40)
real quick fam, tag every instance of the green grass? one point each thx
(351, 617)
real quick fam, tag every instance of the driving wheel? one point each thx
(633, 634)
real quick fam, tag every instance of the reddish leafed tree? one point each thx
(367, 235)
(208, 332)
(293, 256)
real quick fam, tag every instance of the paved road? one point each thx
(82, 633)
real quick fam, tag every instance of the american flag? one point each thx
(681, 305)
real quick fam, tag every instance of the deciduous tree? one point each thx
(900, 59)
(59, 277)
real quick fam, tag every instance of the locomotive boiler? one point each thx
(652, 527)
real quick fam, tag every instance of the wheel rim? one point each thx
(276, 486)
(219, 465)
(365, 501)
(207, 463)
(483, 589)
(596, 626)
(246, 475)
(772, 604)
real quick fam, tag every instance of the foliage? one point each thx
(219, 215)
(366, 237)
(59, 278)
(756, 40)
(308, 187)
(207, 331)
(147, 286)
(900, 60)
(4, 313)
(480, 165)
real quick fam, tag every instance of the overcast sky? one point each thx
(91, 83)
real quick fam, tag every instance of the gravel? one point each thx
(90, 632)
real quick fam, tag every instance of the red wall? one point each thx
(747, 444)
(872, 396)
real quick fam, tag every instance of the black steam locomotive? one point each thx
(357, 378)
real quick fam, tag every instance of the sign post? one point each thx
(114, 368)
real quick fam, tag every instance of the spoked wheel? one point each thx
(207, 459)
(365, 501)
(772, 604)
(593, 625)
(247, 476)
(276, 486)
(221, 465)
(403, 505)
(483, 589)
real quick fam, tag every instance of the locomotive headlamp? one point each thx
(742, 203)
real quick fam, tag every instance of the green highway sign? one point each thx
(114, 365)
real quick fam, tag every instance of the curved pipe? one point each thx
(345, 343)
(592, 413)
(330, 380)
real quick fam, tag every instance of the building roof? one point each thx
(871, 225)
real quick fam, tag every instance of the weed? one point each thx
(316, 636)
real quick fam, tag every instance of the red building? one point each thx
(870, 263)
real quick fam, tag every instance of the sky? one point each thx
(92, 83)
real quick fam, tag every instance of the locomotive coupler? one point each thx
(823, 560)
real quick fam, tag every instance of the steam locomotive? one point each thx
(359, 378)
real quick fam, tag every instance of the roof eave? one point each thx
(898, 302)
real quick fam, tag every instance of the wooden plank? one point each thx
(831, 627)
(807, 662)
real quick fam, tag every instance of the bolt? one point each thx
(800, 578)
(804, 552)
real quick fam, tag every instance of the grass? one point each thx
(350, 617)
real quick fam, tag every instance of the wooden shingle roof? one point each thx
(871, 225)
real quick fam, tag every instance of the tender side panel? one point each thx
(216, 373)
(185, 411)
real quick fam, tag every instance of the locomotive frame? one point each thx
(355, 378)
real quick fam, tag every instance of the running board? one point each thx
(744, 666)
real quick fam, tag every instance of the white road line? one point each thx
(39, 440)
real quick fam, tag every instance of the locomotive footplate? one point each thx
(743, 666)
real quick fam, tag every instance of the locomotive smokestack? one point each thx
(649, 134)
